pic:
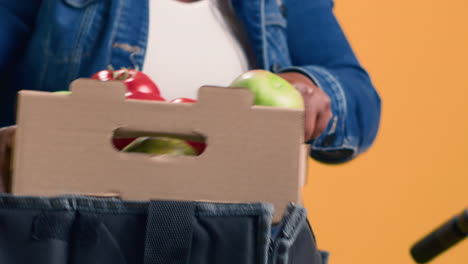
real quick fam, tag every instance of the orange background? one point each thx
(414, 178)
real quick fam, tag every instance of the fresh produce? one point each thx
(120, 143)
(183, 100)
(161, 146)
(270, 89)
(139, 85)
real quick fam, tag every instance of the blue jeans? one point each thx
(90, 230)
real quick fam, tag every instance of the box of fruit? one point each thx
(243, 143)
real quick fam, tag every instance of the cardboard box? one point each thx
(253, 154)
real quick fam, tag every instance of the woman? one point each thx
(185, 44)
(48, 44)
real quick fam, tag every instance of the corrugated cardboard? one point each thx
(254, 153)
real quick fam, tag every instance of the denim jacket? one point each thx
(46, 44)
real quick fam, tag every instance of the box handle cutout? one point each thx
(153, 143)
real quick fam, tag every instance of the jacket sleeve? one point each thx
(320, 50)
(17, 21)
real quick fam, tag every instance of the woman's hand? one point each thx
(317, 104)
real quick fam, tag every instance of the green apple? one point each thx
(269, 89)
(161, 146)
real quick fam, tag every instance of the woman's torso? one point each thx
(190, 45)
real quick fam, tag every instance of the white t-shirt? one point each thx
(190, 45)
